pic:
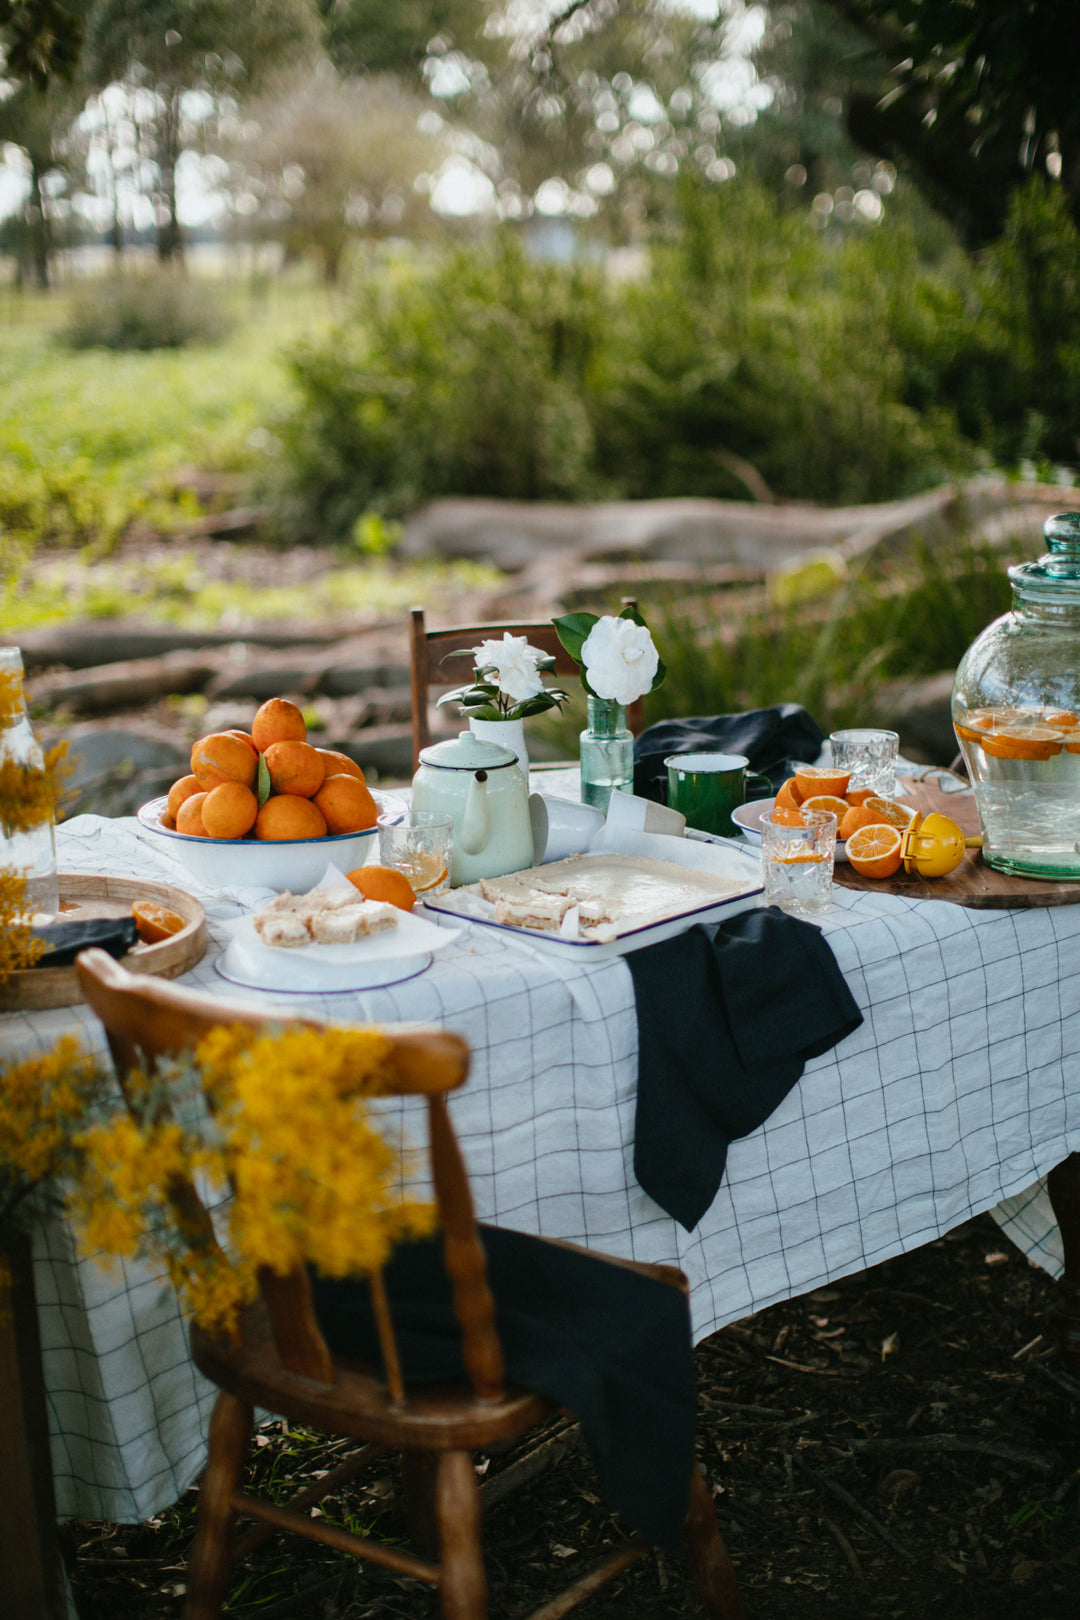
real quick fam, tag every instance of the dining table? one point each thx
(958, 1093)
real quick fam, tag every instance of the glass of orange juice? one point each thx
(420, 846)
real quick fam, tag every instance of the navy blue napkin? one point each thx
(64, 940)
(611, 1345)
(771, 739)
(727, 1014)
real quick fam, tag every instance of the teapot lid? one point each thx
(1057, 573)
(467, 752)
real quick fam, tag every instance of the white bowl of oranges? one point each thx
(874, 822)
(268, 809)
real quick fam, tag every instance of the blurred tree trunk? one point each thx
(170, 238)
(40, 227)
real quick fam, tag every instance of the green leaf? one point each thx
(573, 631)
(265, 787)
(658, 678)
(550, 698)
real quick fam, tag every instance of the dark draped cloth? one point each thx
(728, 1015)
(611, 1345)
(773, 740)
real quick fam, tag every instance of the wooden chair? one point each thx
(432, 665)
(282, 1363)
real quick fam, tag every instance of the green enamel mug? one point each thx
(706, 788)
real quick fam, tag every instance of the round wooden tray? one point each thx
(85, 894)
(973, 884)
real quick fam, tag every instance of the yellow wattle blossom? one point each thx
(288, 1137)
(11, 697)
(18, 947)
(44, 1103)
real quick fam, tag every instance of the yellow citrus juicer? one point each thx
(934, 845)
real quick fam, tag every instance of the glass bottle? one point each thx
(27, 828)
(1016, 713)
(607, 753)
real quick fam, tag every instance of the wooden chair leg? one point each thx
(463, 1583)
(210, 1562)
(710, 1561)
(419, 1470)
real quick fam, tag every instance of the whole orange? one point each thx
(339, 764)
(277, 721)
(295, 767)
(229, 810)
(181, 790)
(286, 815)
(384, 883)
(346, 804)
(189, 816)
(221, 757)
(858, 816)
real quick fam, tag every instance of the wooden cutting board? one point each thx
(85, 894)
(973, 883)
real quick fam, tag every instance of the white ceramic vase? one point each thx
(507, 733)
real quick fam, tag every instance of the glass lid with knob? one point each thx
(1016, 713)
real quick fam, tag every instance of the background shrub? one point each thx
(152, 310)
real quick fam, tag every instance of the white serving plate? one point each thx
(725, 860)
(296, 864)
(385, 958)
(748, 818)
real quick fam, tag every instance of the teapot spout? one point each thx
(474, 823)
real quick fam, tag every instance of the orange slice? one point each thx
(811, 779)
(889, 811)
(1023, 742)
(155, 923)
(875, 850)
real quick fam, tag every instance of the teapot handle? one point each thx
(474, 823)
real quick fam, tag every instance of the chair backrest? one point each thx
(146, 1019)
(432, 664)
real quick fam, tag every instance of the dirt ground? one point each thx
(901, 1443)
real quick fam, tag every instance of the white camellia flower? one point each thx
(620, 660)
(513, 666)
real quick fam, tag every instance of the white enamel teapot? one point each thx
(481, 785)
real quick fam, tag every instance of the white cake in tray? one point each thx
(323, 917)
(599, 896)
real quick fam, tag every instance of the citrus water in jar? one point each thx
(1016, 713)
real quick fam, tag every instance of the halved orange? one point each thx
(811, 779)
(155, 923)
(789, 797)
(828, 801)
(887, 810)
(875, 850)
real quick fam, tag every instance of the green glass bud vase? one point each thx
(607, 754)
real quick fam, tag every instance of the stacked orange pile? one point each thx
(269, 782)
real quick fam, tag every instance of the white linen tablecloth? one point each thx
(960, 1090)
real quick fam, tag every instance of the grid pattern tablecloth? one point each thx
(960, 1090)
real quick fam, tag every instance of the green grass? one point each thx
(117, 426)
(91, 440)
